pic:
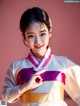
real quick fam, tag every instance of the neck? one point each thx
(39, 56)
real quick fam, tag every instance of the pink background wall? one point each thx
(66, 31)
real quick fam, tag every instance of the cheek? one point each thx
(30, 41)
(46, 39)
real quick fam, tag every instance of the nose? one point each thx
(38, 40)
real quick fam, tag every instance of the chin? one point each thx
(40, 52)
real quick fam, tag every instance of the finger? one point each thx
(38, 79)
(37, 76)
(38, 84)
(40, 72)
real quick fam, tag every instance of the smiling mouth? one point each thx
(38, 47)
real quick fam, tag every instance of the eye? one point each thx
(30, 36)
(42, 34)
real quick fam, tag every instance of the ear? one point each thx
(25, 42)
(50, 32)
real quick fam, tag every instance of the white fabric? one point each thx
(61, 63)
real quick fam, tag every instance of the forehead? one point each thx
(37, 26)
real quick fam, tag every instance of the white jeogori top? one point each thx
(61, 73)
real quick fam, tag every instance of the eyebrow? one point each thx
(43, 31)
(33, 32)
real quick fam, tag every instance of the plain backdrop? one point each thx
(66, 31)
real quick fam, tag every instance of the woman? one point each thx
(41, 77)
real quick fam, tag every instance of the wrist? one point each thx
(23, 88)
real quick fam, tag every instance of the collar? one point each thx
(39, 65)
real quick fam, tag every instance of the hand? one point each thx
(35, 80)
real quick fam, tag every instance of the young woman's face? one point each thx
(37, 37)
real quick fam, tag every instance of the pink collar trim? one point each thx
(44, 61)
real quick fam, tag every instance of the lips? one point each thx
(38, 46)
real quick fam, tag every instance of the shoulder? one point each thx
(63, 60)
(17, 65)
(59, 58)
(21, 63)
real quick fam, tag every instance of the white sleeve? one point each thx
(10, 89)
(72, 85)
